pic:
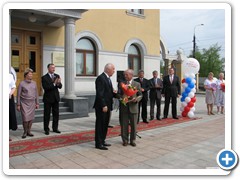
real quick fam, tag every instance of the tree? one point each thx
(210, 61)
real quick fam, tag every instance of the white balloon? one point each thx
(190, 65)
(181, 108)
(193, 90)
(184, 85)
(190, 114)
(193, 109)
(193, 81)
(187, 99)
(191, 94)
(186, 75)
(192, 75)
(183, 104)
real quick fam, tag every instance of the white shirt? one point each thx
(171, 77)
(11, 83)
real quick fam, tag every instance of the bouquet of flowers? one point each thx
(128, 91)
(222, 85)
(213, 86)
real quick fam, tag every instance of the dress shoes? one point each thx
(158, 118)
(133, 144)
(101, 147)
(57, 131)
(146, 122)
(125, 143)
(110, 126)
(175, 117)
(106, 144)
(151, 118)
(47, 132)
(164, 117)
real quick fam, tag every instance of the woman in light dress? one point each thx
(220, 93)
(27, 101)
(210, 86)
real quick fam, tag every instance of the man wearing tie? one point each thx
(51, 82)
(171, 90)
(156, 86)
(143, 103)
(103, 105)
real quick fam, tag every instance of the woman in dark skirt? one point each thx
(12, 112)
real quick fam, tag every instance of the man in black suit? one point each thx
(51, 82)
(143, 103)
(171, 90)
(103, 105)
(155, 95)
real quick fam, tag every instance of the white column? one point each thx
(69, 63)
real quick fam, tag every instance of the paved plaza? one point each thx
(188, 145)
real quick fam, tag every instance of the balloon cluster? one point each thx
(188, 99)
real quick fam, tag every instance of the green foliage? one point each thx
(210, 61)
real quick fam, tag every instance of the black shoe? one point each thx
(110, 126)
(47, 132)
(106, 144)
(151, 118)
(57, 131)
(133, 144)
(101, 148)
(164, 117)
(125, 144)
(146, 122)
(159, 119)
(175, 117)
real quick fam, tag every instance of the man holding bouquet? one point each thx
(129, 109)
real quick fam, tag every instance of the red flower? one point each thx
(128, 91)
(222, 87)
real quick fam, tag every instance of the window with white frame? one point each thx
(134, 59)
(85, 58)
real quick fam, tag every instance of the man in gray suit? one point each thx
(129, 113)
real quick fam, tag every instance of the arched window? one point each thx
(134, 59)
(85, 58)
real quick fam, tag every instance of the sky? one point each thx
(177, 29)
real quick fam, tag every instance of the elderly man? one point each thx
(129, 112)
(103, 105)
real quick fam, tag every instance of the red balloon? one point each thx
(183, 81)
(190, 104)
(193, 100)
(187, 109)
(184, 114)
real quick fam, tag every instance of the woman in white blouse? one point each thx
(12, 112)
(210, 86)
(220, 93)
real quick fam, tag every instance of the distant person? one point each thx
(27, 101)
(171, 91)
(220, 93)
(129, 112)
(103, 105)
(210, 86)
(142, 106)
(155, 95)
(12, 113)
(51, 82)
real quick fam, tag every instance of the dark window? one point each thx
(134, 59)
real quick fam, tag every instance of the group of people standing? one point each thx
(28, 101)
(129, 113)
(215, 93)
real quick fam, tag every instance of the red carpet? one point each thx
(45, 143)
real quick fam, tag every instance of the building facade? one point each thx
(81, 42)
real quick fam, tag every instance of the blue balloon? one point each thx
(185, 94)
(183, 99)
(187, 90)
(191, 85)
(188, 80)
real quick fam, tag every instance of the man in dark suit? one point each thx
(103, 105)
(155, 95)
(171, 90)
(51, 82)
(129, 112)
(143, 103)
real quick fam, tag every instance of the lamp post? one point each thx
(194, 39)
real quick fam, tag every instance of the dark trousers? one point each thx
(174, 106)
(152, 104)
(143, 104)
(101, 126)
(55, 113)
(12, 115)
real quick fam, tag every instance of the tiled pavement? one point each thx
(189, 145)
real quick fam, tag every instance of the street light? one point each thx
(194, 39)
